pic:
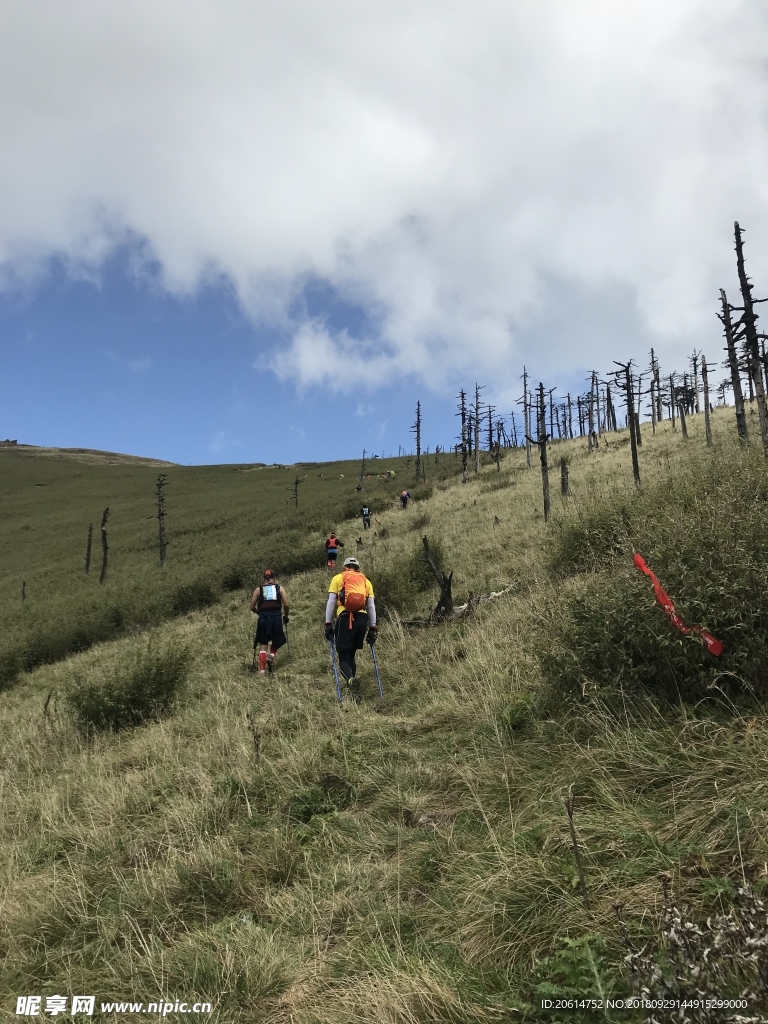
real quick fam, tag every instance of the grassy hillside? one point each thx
(224, 524)
(408, 860)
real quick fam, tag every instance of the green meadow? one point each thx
(174, 827)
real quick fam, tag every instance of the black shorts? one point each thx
(351, 639)
(331, 555)
(269, 629)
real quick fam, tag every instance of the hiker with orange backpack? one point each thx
(350, 618)
(332, 546)
(270, 603)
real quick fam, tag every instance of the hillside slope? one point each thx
(405, 860)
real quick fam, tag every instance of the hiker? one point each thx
(350, 601)
(366, 517)
(268, 601)
(404, 496)
(332, 546)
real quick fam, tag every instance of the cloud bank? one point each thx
(484, 184)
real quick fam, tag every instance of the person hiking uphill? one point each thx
(270, 603)
(366, 514)
(404, 496)
(350, 618)
(332, 546)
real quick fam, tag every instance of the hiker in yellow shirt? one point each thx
(350, 617)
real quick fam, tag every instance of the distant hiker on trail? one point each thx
(269, 601)
(332, 546)
(366, 513)
(404, 496)
(350, 601)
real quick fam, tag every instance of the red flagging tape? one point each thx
(713, 645)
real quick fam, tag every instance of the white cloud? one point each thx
(140, 365)
(461, 172)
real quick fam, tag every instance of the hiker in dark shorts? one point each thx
(348, 628)
(270, 603)
(366, 514)
(332, 546)
(404, 496)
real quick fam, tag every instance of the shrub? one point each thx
(142, 689)
(11, 664)
(703, 534)
(193, 596)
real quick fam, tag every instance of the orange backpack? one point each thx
(353, 593)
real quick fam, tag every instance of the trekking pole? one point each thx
(335, 671)
(376, 670)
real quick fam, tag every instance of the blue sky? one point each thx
(118, 364)
(260, 232)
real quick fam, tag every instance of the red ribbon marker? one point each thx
(713, 645)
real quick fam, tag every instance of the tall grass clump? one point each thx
(702, 531)
(143, 688)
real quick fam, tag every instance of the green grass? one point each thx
(405, 861)
(224, 525)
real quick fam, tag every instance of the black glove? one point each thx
(329, 631)
(286, 620)
(372, 634)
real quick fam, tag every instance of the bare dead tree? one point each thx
(624, 382)
(695, 357)
(653, 392)
(680, 401)
(294, 489)
(591, 414)
(478, 389)
(705, 382)
(570, 417)
(362, 467)
(564, 488)
(161, 515)
(463, 414)
(749, 319)
(733, 363)
(610, 411)
(104, 545)
(527, 418)
(416, 430)
(672, 399)
(490, 410)
(541, 441)
(88, 547)
(514, 430)
(445, 601)
(23, 591)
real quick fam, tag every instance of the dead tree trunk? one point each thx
(570, 417)
(705, 382)
(88, 547)
(542, 443)
(591, 414)
(750, 331)
(681, 413)
(629, 391)
(672, 399)
(416, 428)
(733, 363)
(362, 467)
(445, 601)
(527, 418)
(161, 515)
(695, 371)
(23, 591)
(638, 435)
(564, 488)
(463, 414)
(104, 545)
(477, 428)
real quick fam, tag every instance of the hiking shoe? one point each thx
(270, 663)
(262, 671)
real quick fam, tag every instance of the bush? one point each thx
(397, 587)
(143, 689)
(193, 596)
(11, 664)
(703, 534)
